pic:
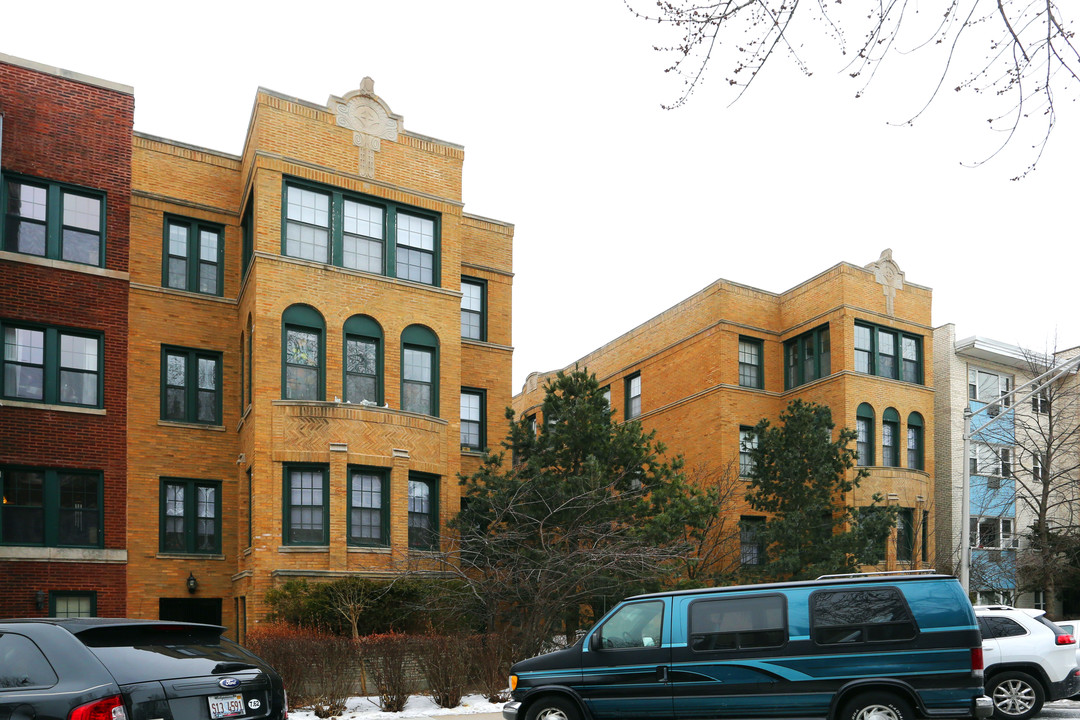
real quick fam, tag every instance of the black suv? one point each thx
(108, 669)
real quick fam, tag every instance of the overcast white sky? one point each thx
(623, 209)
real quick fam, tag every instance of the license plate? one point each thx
(223, 706)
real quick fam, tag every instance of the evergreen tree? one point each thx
(586, 512)
(800, 478)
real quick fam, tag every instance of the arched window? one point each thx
(915, 441)
(890, 438)
(864, 427)
(420, 370)
(303, 354)
(363, 361)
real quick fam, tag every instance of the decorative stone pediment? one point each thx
(370, 119)
(889, 275)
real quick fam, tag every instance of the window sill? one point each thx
(374, 549)
(473, 452)
(303, 548)
(55, 408)
(189, 556)
(54, 554)
(64, 265)
(191, 426)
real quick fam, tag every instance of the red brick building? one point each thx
(65, 192)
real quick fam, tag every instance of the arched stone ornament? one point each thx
(889, 275)
(371, 121)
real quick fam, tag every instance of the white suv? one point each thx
(1028, 659)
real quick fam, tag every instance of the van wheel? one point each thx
(1016, 695)
(877, 706)
(552, 708)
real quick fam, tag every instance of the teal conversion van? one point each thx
(878, 646)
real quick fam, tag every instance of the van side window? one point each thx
(738, 623)
(634, 626)
(858, 616)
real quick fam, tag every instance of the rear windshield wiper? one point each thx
(228, 667)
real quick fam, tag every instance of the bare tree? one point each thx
(714, 548)
(1013, 51)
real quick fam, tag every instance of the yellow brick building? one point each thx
(318, 331)
(857, 339)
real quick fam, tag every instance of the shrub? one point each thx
(318, 669)
(444, 660)
(388, 660)
(492, 655)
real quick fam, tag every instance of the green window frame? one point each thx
(864, 431)
(747, 443)
(306, 504)
(807, 357)
(423, 511)
(890, 438)
(915, 451)
(72, 603)
(52, 365)
(751, 362)
(420, 371)
(250, 502)
(473, 418)
(53, 220)
(49, 507)
(360, 232)
(888, 352)
(303, 354)
(250, 363)
(191, 385)
(473, 309)
(247, 236)
(632, 395)
(193, 256)
(362, 364)
(369, 506)
(190, 520)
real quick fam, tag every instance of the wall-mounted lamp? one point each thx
(39, 599)
(241, 458)
(192, 583)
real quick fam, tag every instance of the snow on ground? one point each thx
(367, 708)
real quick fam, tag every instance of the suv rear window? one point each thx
(22, 665)
(858, 616)
(139, 654)
(1000, 627)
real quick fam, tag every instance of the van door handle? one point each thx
(662, 674)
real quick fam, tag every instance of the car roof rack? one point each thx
(882, 573)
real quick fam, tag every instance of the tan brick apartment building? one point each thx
(857, 339)
(318, 330)
(65, 182)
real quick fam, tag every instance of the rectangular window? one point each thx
(914, 448)
(633, 396)
(887, 352)
(361, 369)
(1038, 469)
(247, 236)
(63, 604)
(989, 387)
(52, 365)
(302, 363)
(359, 232)
(307, 491)
(992, 532)
(53, 220)
(738, 623)
(417, 384)
(190, 516)
(751, 549)
(905, 535)
(423, 512)
(751, 373)
(250, 503)
(194, 256)
(807, 357)
(864, 443)
(472, 419)
(860, 616)
(747, 442)
(369, 507)
(52, 508)
(1040, 401)
(990, 460)
(362, 237)
(191, 386)
(473, 307)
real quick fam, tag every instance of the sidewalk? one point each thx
(466, 716)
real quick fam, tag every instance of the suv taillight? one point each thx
(1065, 639)
(977, 662)
(110, 708)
